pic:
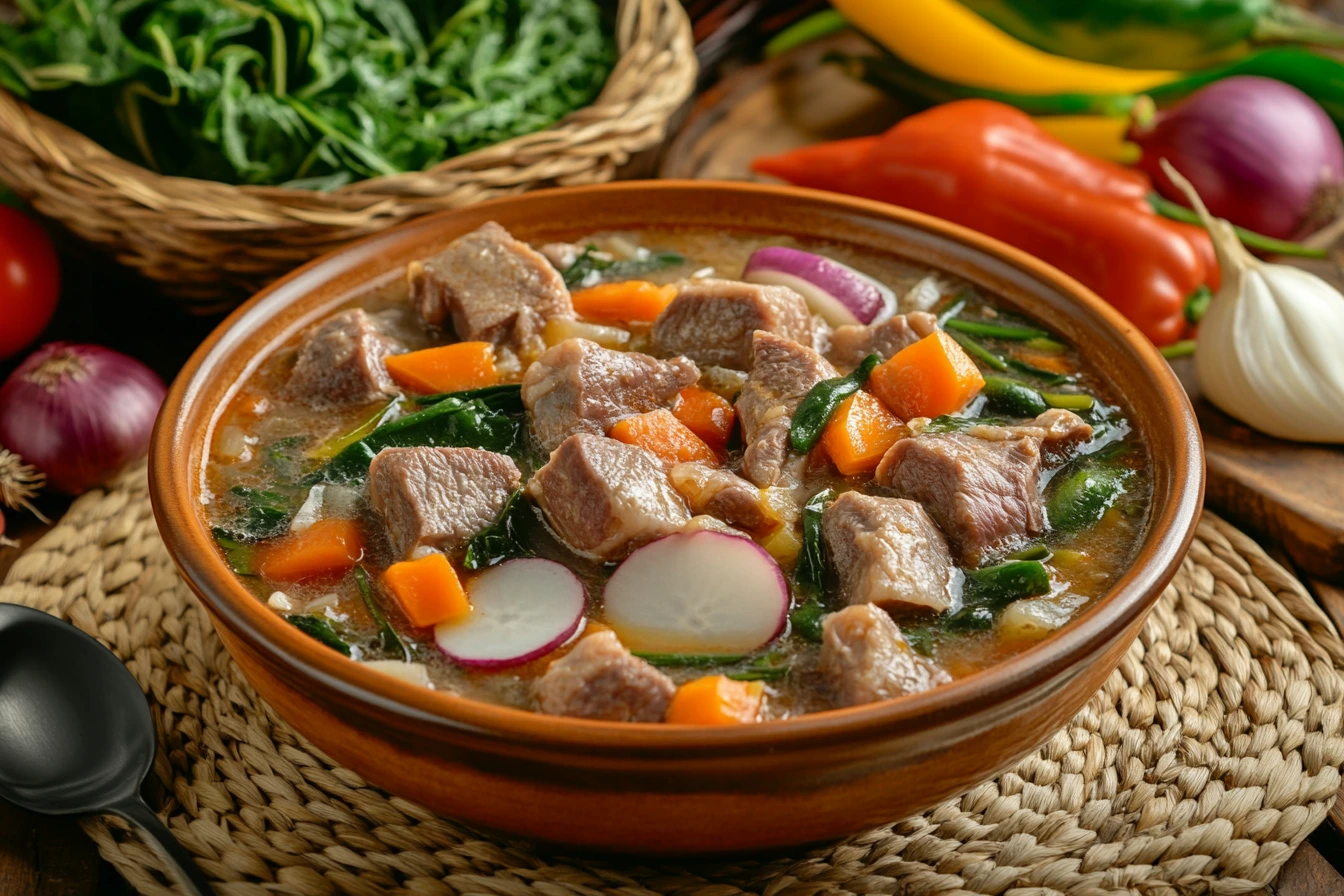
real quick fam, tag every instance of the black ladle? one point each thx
(76, 737)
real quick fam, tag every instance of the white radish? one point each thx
(697, 592)
(520, 610)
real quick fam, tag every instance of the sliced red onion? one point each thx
(835, 291)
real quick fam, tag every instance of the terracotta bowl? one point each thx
(653, 789)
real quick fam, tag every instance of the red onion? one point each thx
(1260, 152)
(79, 413)
(837, 292)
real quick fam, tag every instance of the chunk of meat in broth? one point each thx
(340, 363)
(600, 679)
(723, 494)
(492, 287)
(865, 658)
(782, 374)
(1057, 430)
(712, 321)
(605, 498)
(889, 553)
(439, 497)
(981, 489)
(852, 343)
(579, 386)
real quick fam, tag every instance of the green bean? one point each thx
(815, 411)
(1071, 401)
(997, 586)
(1046, 344)
(996, 331)
(980, 353)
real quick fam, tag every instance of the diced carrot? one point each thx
(428, 590)
(716, 700)
(860, 432)
(1052, 363)
(445, 368)
(633, 300)
(932, 377)
(662, 433)
(707, 414)
(326, 549)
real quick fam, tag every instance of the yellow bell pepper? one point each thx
(946, 39)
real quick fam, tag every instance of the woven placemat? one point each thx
(1208, 756)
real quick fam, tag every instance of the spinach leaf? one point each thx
(502, 539)
(985, 593)
(689, 659)
(319, 629)
(809, 576)
(506, 398)
(241, 556)
(262, 513)
(387, 635)
(448, 424)
(591, 268)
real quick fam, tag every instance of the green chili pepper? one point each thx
(815, 411)
(1160, 34)
(1249, 238)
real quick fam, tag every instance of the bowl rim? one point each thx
(1170, 531)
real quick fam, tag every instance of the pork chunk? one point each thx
(889, 553)
(340, 363)
(712, 321)
(982, 492)
(600, 679)
(782, 374)
(722, 494)
(851, 344)
(1057, 430)
(864, 658)
(605, 498)
(439, 497)
(493, 287)
(579, 386)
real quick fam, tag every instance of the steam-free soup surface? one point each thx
(595, 503)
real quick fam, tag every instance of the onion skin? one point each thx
(79, 413)
(1261, 153)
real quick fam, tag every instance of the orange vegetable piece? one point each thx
(662, 433)
(326, 549)
(932, 377)
(860, 432)
(445, 368)
(633, 300)
(707, 414)
(428, 590)
(1052, 363)
(716, 700)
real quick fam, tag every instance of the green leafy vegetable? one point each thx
(502, 539)
(948, 423)
(334, 446)
(319, 629)
(506, 398)
(240, 555)
(261, 514)
(995, 331)
(387, 635)
(988, 590)
(816, 409)
(810, 575)
(309, 93)
(591, 267)
(763, 668)
(449, 424)
(689, 659)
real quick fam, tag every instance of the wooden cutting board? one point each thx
(1288, 493)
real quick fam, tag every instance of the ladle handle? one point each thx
(188, 875)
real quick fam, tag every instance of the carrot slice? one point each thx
(445, 368)
(859, 434)
(716, 700)
(662, 433)
(932, 377)
(428, 590)
(326, 549)
(633, 300)
(707, 414)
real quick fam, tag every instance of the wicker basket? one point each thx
(212, 244)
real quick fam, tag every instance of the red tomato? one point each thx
(30, 280)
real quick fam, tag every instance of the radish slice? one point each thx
(837, 292)
(697, 592)
(520, 610)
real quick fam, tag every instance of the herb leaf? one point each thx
(319, 629)
(502, 539)
(387, 635)
(809, 575)
(818, 406)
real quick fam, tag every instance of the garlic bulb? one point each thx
(1271, 346)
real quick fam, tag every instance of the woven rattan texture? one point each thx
(213, 244)
(1209, 755)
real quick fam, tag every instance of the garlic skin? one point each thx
(1271, 346)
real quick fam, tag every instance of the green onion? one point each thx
(1046, 344)
(996, 331)
(1070, 401)
(980, 353)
